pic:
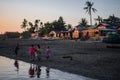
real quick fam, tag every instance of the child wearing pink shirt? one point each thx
(32, 52)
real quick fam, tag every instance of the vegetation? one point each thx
(112, 20)
(60, 25)
(44, 29)
(24, 24)
(89, 8)
(83, 22)
(69, 26)
(26, 35)
(99, 19)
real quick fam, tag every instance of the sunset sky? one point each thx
(12, 12)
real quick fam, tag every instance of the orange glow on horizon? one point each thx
(9, 25)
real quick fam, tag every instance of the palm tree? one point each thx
(83, 22)
(112, 20)
(32, 28)
(99, 19)
(36, 24)
(41, 24)
(89, 8)
(69, 26)
(24, 24)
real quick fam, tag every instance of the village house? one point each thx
(90, 33)
(80, 32)
(35, 35)
(54, 34)
(77, 33)
(105, 28)
(65, 35)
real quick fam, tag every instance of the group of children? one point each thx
(35, 53)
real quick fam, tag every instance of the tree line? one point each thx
(45, 28)
(60, 24)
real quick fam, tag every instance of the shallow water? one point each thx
(11, 69)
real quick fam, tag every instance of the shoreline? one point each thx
(90, 59)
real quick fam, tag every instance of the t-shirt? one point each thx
(39, 49)
(32, 50)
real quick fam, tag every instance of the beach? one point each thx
(89, 58)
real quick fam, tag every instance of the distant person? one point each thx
(36, 55)
(48, 52)
(16, 49)
(32, 52)
(16, 64)
(39, 51)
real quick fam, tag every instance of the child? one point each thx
(38, 52)
(32, 52)
(16, 49)
(47, 53)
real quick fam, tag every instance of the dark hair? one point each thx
(32, 45)
(38, 46)
(48, 47)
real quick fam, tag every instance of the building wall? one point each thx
(76, 34)
(90, 32)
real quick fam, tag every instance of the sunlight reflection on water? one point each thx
(11, 69)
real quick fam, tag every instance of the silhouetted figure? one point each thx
(48, 52)
(47, 72)
(31, 71)
(16, 49)
(32, 53)
(16, 64)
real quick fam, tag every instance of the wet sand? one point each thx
(91, 59)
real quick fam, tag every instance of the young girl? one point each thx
(32, 53)
(47, 53)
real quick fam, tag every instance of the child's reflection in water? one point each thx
(47, 72)
(16, 64)
(31, 71)
(38, 70)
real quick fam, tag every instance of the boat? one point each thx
(112, 40)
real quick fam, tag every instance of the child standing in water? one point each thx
(32, 52)
(47, 53)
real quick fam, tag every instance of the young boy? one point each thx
(16, 49)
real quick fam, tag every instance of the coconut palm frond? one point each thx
(94, 10)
